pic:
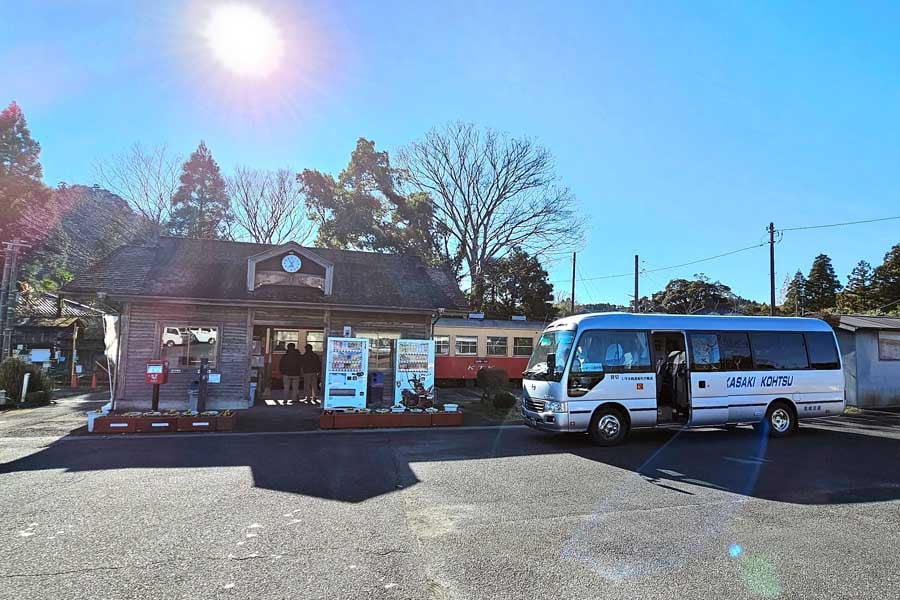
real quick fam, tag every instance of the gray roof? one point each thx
(48, 305)
(171, 267)
(489, 323)
(854, 322)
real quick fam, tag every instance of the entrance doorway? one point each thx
(269, 346)
(673, 403)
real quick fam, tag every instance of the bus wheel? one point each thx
(780, 420)
(608, 427)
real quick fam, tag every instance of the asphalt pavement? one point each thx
(489, 513)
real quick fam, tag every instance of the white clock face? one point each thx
(291, 263)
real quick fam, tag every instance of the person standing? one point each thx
(312, 366)
(291, 367)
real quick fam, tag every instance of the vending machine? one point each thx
(346, 373)
(414, 373)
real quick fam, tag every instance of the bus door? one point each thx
(709, 399)
(673, 393)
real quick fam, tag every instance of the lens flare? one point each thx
(244, 40)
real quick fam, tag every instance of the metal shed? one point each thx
(870, 348)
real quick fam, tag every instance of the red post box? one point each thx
(157, 372)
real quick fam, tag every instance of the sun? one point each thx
(244, 40)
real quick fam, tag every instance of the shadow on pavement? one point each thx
(847, 462)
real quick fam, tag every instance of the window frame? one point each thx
(215, 358)
(837, 351)
(469, 339)
(505, 339)
(530, 347)
(571, 358)
(437, 351)
(802, 335)
(717, 332)
(881, 356)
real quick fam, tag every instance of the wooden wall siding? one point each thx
(302, 319)
(143, 344)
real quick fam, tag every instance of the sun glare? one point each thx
(244, 40)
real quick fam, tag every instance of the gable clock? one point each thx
(291, 263)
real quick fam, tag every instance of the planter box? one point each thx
(157, 424)
(326, 420)
(410, 419)
(196, 423)
(447, 419)
(381, 420)
(114, 424)
(352, 420)
(225, 423)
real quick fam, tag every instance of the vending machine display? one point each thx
(414, 373)
(346, 373)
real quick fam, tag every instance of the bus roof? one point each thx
(689, 322)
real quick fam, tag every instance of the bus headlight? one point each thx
(556, 407)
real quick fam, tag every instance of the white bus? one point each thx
(608, 373)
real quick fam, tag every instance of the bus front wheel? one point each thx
(608, 427)
(780, 420)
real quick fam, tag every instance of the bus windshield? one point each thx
(551, 342)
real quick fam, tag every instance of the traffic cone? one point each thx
(94, 382)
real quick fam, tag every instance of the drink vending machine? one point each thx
(346, 373)
(414, 373)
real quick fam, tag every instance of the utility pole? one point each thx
(8, 289)
(572, 302)
(636, 308)
(772, 269)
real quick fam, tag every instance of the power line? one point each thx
(685, 264)
(840, 224)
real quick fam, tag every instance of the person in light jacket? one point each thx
(312, 366)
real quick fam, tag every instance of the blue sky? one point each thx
(683, 128)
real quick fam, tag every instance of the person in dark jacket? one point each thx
(312, 366)
(291, 367)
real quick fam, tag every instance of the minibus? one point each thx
(608, 373)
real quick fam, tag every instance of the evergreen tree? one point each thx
(516, 285)
(200, 206)
(822, 285)
(886, 280)
(24, 199)
(859, 294)
(795, 296)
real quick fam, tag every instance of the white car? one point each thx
(203, 335)
(172, 336)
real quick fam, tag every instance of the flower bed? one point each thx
(365, 420)
(164, 422)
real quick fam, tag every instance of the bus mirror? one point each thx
(551, 363)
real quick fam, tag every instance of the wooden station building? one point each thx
(239, 305)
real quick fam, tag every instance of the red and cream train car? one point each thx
(463, 346)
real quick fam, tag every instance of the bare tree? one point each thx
(268, 207)
(491, 194)
(146, 178)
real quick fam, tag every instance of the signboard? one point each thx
(346, 373)
(39, 355)
(215, 378)
(414, 373)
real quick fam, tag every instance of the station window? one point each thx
(442, 344)
(888, 345)
(466, 345)
(497, 345)
(523, 346)
(186, 345)
(778, 351)
(316, 339)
